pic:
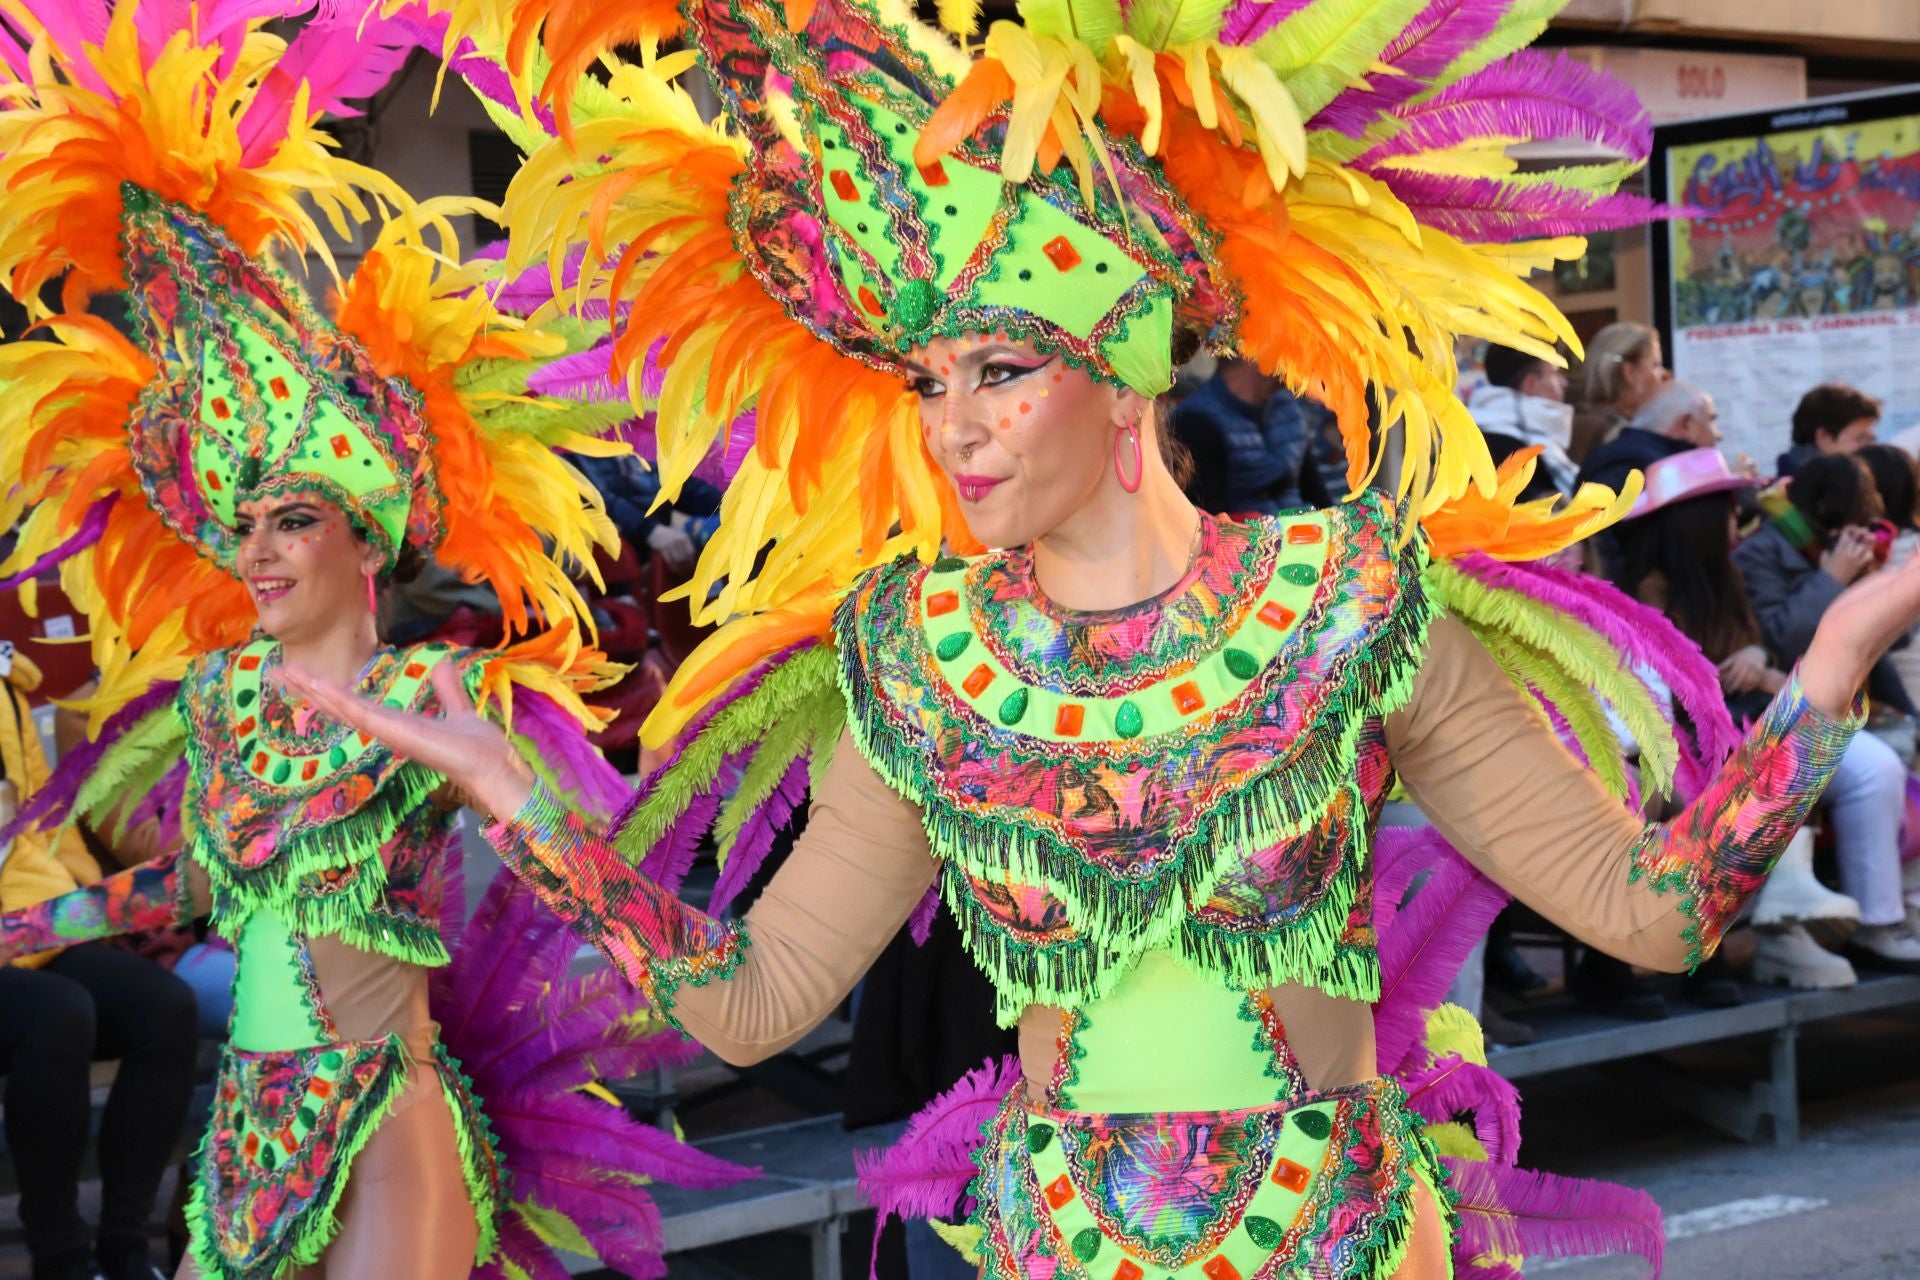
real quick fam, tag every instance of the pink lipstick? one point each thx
(974, 488)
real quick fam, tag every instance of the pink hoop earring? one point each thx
(373, 596)
(1131, 433)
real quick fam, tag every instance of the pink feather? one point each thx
(1525, 95)
(926, 1173)
(1422, 950)
(92, 526)
(920, 923)
(1248, 20)
(340, 59)
(758, 833)
(566, 753)
(1519, 1212)
(1490, 211)
(1453, 1087)
(668, 862)
(1400, 854)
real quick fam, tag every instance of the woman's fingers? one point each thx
(453, 694)
(410, 735)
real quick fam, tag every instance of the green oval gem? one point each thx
(245, 697)
(1086, 1245)
(1014, 707)
(337, 756)
(1313, 1123)
(1264, 1232)
(949, 564)
(1243, 664)
(267, 1158)
(1295, 511)
(1038, 1137)
(913, 305)
(282, 770)
(1300, 575)
(308, 1117)
(952, 646)
(1127, 721)
(330, 1059)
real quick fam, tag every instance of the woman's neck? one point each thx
(340, 653)
(1120, 548)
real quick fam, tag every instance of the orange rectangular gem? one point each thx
(1068, 721)
(941, 603)
(934, 175)
(279, 388)
(1218, 1268)
(287, 1142)
(1187, 698)
(319, 1088)
(415, 671)
(250, 662)
(1128, 1270)
(244, 728)
(1059, 1192)
(308, 769)
(220, 409)
(213, 480)
(1061, 253)
(259, 762)
(342, 447)
(1303, 535)
(1292, 1176)
(843, 185)
(977, 680)
(252, 1146)
(1277, 615)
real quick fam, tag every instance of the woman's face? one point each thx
(1641, 378)
(1026, 439)
(303, 564)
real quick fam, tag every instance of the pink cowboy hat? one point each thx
(1686, 475)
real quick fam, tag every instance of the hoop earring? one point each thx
(1131, 433)
(373, 596)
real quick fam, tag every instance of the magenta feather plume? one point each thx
(521, 1247)
(1645, 635)
(668, 862)
(1428, 45)
(1400, 854)
(1491, 211)
(71, 25)
(926, 1173)
(490, 80)
(1453, 1087)
(1422, 950)
(587, 376)
(565, 752)
(1527, 94)
(50, 805)
(1523, 1213)
(1248, 20)
(92, 526)
(757, 835)
(920, 923)
(341, 58)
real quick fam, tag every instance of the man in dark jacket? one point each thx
(1831, 418)
(1679, 417)
(1249, 444)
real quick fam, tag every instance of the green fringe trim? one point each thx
(479, 1149)
(1119, 918)
(319, 1222)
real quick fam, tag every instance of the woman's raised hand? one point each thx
(1859, 626)
(469, 751)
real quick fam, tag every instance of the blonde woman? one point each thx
(1624, 369)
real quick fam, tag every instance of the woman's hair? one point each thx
(1832, 491)
(1690, 544)
(1617, 345)
(1895, 477)
(1173, 450)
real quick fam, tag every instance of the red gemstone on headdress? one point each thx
(287, 1141)
(279, 388)
(1061, 253)
(1303, 535)
(252, 1146)
(308, 769)
(1277, 615)
(341, 446)
(941, 603)
(244, 728)
(871, 303)
(1218, 1268)
(1187, 698)
(843, 185)
(415, 671)
(213, 479)
(319, 1088)
(1069, 719)
(1291, 1176)
(259, 762)
(977, 680)
(1128, 1270)
(934, 175)
(220, 409)
(250, 662)
(1059, 1192)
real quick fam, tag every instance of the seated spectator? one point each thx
(1795, 566)
(1676, 554)
(58, 1014)
(1676, 417)
(1249, 445)
(1831, 418)
(1622, 371)
(1522, 403)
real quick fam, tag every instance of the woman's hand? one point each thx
(1743, 670)
(1850, 555)
(1772, 681)
(1855, 630)
(467, 750)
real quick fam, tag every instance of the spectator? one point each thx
(1795, 566)
(1249, 445)
(1623, 370)
(1524, 403)
(1676, 555)
(1676, 417)
(1831, 418)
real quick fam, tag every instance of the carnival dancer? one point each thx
(228, 496)
(1140, 751)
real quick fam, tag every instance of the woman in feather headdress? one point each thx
(229, 494)
(1139, 751)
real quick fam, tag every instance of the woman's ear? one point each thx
(1130, 409)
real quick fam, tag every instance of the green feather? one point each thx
(159, 737)
(1163, 24)
(1595, 179)
(1092, 22)
(1327, 46)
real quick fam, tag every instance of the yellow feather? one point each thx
(960, 17)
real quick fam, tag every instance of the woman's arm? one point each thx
(153, 895)
(745, 989)
(1490, 773)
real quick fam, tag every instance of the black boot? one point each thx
(1605, 985)
(1711, 986)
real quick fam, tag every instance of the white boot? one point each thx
(1788, 954)
(1887, 947)
(1792, 893)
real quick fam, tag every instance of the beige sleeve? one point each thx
(853, 878)
(1490, 773)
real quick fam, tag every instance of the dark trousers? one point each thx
(93, 1002)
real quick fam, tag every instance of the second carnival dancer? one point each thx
(231, 494)
(1139, 751)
